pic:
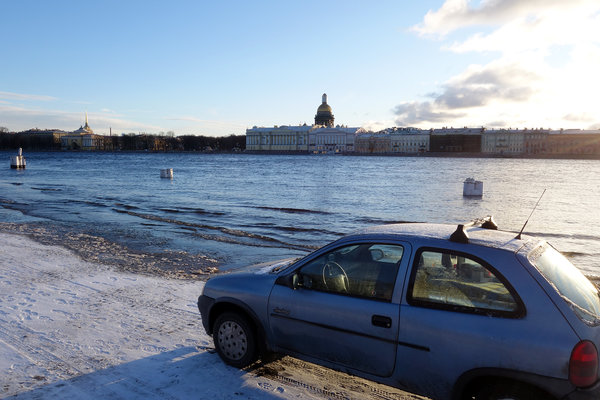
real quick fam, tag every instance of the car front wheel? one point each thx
(235, 340)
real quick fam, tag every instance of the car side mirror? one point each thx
(376, 254)
(292, 281)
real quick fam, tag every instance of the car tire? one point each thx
(235, 340)
(508, 390)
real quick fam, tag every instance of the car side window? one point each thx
(363, 270)
(459, 282)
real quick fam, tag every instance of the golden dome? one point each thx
(324, 108)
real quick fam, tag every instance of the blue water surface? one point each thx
(243, 208)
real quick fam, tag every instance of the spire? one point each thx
(86, 120)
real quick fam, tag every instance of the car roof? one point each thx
(476, 235)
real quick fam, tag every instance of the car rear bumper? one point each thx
(205, 303)
(590, 393)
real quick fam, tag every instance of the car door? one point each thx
(343, 306)
(464, 314)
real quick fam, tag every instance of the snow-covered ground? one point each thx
(71, 329)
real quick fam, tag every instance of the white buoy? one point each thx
(18, 161)
(472, 188)
(166, 173)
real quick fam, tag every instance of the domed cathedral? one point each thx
(321, 138)
(324, 115)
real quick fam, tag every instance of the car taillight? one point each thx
(583, 365)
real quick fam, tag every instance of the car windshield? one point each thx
(570, 283)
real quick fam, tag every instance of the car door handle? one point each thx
(380, 320)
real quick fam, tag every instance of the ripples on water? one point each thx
(245, 208)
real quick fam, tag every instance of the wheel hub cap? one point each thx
(232, 340)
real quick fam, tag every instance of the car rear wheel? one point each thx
(508, 390)
(235, 340)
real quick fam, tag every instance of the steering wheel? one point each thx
(335, 278)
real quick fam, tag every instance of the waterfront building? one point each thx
(325, 138)
(396, 140)
(70, 142)
(408, 140)
(574, 142)
(535, 141)
(456, 140)
(278, 138)
(339, 139)
(42, 138)
(322, 137)
(373, 143)
(83, 138)
(503, 141)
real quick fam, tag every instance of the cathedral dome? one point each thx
(324, 108)
(324, 115)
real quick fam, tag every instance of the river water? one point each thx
(242, 208)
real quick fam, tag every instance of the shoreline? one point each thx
(96, 249)
(354, 154)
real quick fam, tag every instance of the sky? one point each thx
(217, 68)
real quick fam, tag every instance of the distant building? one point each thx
(574, 142)
(409, 141)
(396, 140)
(83, 139)
(322, 137)
(373, 143)
(503, 141)
(278, 138)
(456, 140)
(337, 139)
(325, 138)
(535, 141)
(46, 138)
(514, 141)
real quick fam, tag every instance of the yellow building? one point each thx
(82, 139)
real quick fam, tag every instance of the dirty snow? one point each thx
(71, 329)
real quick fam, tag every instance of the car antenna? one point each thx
(525, 224)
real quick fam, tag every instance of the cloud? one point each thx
(539, 32)
(18, 118)
(477, 87)
(581, 117)
(415, 113)
(29, 97)
(544, 73)
(375, 126)
(457, 14)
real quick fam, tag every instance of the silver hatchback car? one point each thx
(467, 312)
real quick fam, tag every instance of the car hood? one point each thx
(266, 267)
(249, 284)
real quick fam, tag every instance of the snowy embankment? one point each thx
(71, 329)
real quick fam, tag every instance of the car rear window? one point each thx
(456, 281)
(569, 282)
